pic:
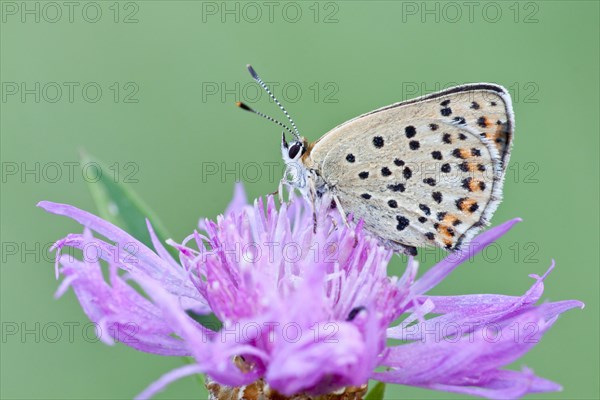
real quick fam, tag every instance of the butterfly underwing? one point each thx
(419, 173)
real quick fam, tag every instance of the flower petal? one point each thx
(239, 201)
(466, 313)
(333, 350)
(167, 379)
(438, 272)
(502, 384)
(131, 253)
(119, 311)
(466, 360)
(215, 358)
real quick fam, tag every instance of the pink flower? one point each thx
(306, 311)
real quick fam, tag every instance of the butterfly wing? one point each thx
(424, 172)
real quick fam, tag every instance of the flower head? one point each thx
(305, 310)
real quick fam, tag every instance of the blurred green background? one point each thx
(149, 87)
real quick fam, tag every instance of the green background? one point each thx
(347, 59)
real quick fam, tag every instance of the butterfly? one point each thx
(425, 172)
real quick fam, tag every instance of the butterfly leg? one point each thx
(283, 182)
(333, 225)
(338, 205)
(280, 192)
(312, 194)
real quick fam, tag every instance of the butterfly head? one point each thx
(295, 171)
(291, 152)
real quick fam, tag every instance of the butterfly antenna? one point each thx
(255, 76)
(245, 107)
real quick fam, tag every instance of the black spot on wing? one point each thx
(425, 209)
(399, 187)
(410, 131)
(457, 153)
(403, 222)
(378, 142)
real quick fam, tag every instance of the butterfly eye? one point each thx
(294, 149)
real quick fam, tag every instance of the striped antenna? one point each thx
(265, 116)
(264, 86)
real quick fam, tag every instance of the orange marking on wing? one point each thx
(466, 205)
(473, 166)
(475, 185)
(500, 136)
(449, 219)
(446, 231)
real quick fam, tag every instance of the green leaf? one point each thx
(377, 392)
(209, 321)
(119, 204)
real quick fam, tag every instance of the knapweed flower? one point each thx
(304, 312)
